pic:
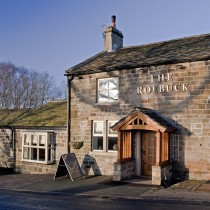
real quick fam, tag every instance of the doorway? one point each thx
(145, 152)
(148, 154)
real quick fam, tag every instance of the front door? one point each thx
(148, 145)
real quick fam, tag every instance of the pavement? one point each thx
(103, 186)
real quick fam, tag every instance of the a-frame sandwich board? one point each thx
(68, 165)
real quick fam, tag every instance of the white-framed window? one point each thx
(111, 137)
(108, 90)
(104, 139)
(38, 147)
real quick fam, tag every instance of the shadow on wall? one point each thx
(89, 163)
(177, 154)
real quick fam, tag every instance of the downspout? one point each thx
(14, 147)
(69, 79)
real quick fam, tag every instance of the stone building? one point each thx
(32, 140)
(142, 110)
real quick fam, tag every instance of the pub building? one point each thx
(142, 110)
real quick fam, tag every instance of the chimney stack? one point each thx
(113, 38)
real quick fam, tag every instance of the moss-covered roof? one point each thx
(187, 49)
(52, 114)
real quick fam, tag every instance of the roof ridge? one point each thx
(161, 42)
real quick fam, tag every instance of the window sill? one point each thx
(107, 103)
(102, 153)
(38, 162)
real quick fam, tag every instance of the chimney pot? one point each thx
(113, 21)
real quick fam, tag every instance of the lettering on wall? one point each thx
(161, 88)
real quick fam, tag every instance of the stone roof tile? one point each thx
(188, 49)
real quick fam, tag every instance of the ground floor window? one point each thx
(38, 147)
(103, 138)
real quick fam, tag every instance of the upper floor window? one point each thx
(108, 90)
(38, 147)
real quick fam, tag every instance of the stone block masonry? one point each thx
(123, 170)
(6, 148)
(188, 105)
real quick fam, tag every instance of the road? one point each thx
(26, 200)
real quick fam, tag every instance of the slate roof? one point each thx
(158, 118)
(154, 115)
(188, 49)
(52, 114)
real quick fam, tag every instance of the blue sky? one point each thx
(54, 35)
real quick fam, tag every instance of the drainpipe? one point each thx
(14, 147)
(69, 79)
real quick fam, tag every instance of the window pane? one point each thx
(110, 131)
(41, 154)
(97, 143)
(25, 153)
(103, 84)
(42, 140)
(34, 140)
(33, 153)
(113, 83)
(26, 139)
(112, 143)
(103, 95)
(98, 128)
(50, 142)
(113, 95)
(50, 154)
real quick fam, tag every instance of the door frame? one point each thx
(138, 155)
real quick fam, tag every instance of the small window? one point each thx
(38, 147)
(108, 90)
(103, 141)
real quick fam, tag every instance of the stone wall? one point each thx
(180, 92)
(160, 173)
(99, 163)
(6, 148)
(61, 147)
(124, 170)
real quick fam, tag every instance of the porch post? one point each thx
(120, 147)
(158, 148)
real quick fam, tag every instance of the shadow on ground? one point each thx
(6, 171)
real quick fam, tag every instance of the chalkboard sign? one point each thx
(68, 165)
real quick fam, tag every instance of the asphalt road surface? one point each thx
(26, 200)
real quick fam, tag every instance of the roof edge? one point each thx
(85, 62)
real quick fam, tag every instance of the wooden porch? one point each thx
(144, 120)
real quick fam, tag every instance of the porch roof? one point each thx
(150, 118)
